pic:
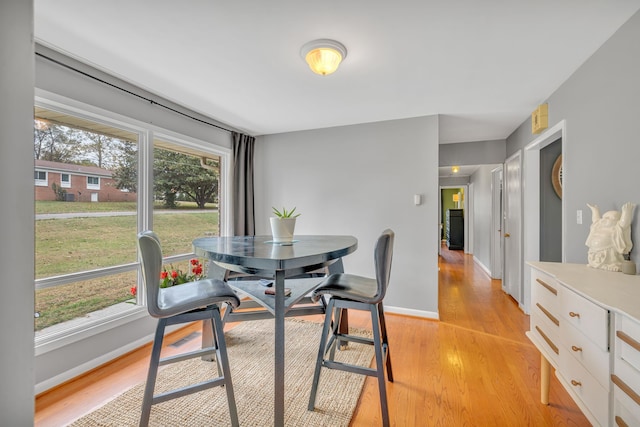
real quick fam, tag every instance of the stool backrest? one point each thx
(151, 261)
(383, 255)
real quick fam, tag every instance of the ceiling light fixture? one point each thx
(455, 169)
(323, 55)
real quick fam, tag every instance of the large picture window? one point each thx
(88, 189)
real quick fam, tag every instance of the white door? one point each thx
(468, 215)
(512, 282)
(496, 223)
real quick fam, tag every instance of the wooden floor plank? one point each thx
(473, 367)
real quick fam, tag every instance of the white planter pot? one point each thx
(282, 229)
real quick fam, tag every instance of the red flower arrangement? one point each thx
(173, 276)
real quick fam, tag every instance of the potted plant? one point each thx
(283, 224)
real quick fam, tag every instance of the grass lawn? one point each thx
(85, 243)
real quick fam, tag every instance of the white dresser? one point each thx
(585, 322)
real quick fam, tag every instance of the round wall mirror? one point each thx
(556, 176)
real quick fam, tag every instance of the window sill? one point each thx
(72, 331)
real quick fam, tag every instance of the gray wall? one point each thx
(481, 180)
(359, 180)
(600, 103)
(58, 79)
(453, 181)
(16, 227)
(473, 153)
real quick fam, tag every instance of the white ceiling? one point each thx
(483, 65)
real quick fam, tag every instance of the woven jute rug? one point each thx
(250, 346)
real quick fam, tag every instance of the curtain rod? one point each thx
(151, 101)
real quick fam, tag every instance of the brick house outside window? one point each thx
(82, 183)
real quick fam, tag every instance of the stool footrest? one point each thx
(349, 368)
(179, 392)
(186, 356)
(352, 338)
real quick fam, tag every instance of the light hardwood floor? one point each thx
(473, 367)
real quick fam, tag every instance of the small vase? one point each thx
(628, 267)
(282, 229)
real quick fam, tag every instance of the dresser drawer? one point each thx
(586, 352)
(626, 370)
(626, 399)
(544, 291)
(622, 417)
(589, 318)
(627, 342)
(547, 337)
(586, 388)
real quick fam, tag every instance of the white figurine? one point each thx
(610, 237)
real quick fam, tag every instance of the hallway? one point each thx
(486, 355)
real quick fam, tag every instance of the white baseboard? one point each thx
(482, 266)
(412, 312)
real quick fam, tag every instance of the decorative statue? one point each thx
(609, 237)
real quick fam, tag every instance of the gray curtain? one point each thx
(244, 223)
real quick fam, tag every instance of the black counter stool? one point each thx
(184, 303)
(348, 291)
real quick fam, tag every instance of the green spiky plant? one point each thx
(284, 213)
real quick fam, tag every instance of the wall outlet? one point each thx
(579, 216)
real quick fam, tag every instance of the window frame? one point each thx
(91, 185)
(46, 342)
(41, 182)
(65, 183)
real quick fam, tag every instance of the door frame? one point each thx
(531, 203)
(497, 254)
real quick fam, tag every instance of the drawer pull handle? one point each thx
(549, 342)
(572, 314)
(575, 348)
(548, 286)
(627, 339)
(620, 422)
(549, 315)
(624, 387)
(576, 383)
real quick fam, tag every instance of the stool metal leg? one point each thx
(320, 358)
(153, 373)
(223, 363)
(385, 341)
(377, 344)
(335, 330)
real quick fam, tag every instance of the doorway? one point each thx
(531, 200)
(551, 202)
(454, 220)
